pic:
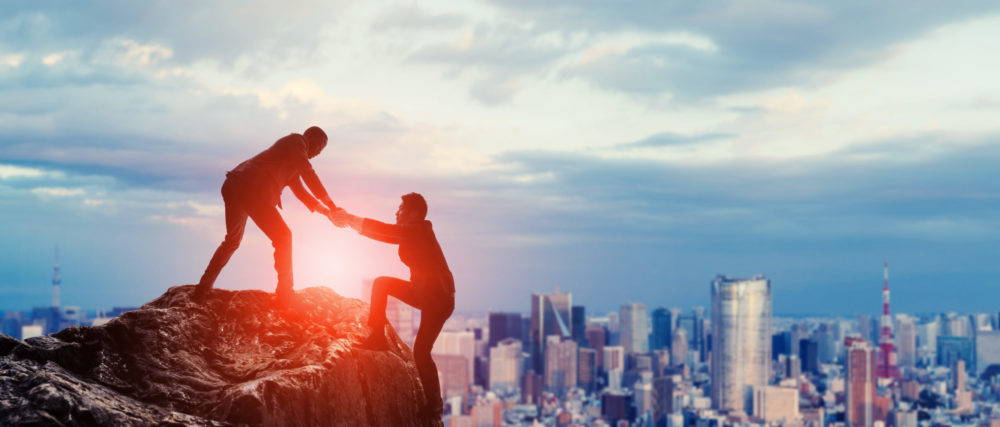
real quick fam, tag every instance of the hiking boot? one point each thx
(375, 341)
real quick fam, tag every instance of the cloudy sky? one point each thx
(623, 151)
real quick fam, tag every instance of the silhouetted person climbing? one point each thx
(431, 287)
(253, 188)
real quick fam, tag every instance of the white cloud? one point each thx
(57, 191)
(137, 53)
(13, 60)
(13, 172)
(55, 58)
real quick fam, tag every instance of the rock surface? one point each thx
(233, 359)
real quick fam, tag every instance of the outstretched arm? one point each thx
(316, 186)
(306, 198)
(377, 230)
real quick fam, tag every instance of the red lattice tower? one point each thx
(887, 367)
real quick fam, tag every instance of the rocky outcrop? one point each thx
(234, 358)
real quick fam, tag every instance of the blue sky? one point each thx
(623, 151)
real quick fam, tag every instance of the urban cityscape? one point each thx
(734, 363)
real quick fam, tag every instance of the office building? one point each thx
(551, 314)
(741, 340)
(679, 347)
(586, 362)
(579, 316)
(503, 326)
(506, 362)
(596, 336)
(663, 326)
(458, 343)
(560, 364)
(950, 349)
(860, 384)
(987, 350)
(906, 340)
(634, 328)
(776, 405)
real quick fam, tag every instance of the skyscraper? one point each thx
(503, 326)
(505, 365)
(635, 328)
(614, 365)
(551, 314)
(560, 364)
(663, 322)
(579, 316)
(679, 347)
(906, 337)
(809, 355)
(586, 368)
(741, 340)
(860, 384)
(596, 339)
(458, 343)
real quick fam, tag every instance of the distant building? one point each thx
(781, 343)
(741, 340)
(453, 372)
(614, 365)
(679, 347)
(551, 314)
(906, 340)
(596, 339)
(860, 384)
(617, 407)
(664, 394)
(778, 405)
(579, 317)
(503, 326)
(663, 329)
(560, 364)
(950, 349)
(458, 343)
(987, 350)
(635, 328)
(587, 369)
(506, 362)
(531, 387)
(809, 355)
(31, 331)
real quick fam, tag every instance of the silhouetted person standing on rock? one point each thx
(431, 287)
(253, 189)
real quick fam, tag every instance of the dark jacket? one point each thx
(284, 164)
(418, 249)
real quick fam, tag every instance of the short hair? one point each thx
(416, 203)
(314, 132)
(316, 140)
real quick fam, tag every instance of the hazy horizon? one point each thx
(622, 152)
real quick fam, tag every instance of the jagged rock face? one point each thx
(234, 358)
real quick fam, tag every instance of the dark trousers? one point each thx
(242, 203)
(435, 309)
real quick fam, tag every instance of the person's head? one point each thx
(316, 140)
(413, 208)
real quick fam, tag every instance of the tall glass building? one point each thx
(741, 340)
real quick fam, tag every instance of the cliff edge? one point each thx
(233, 359)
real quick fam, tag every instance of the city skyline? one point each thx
(557, 144)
